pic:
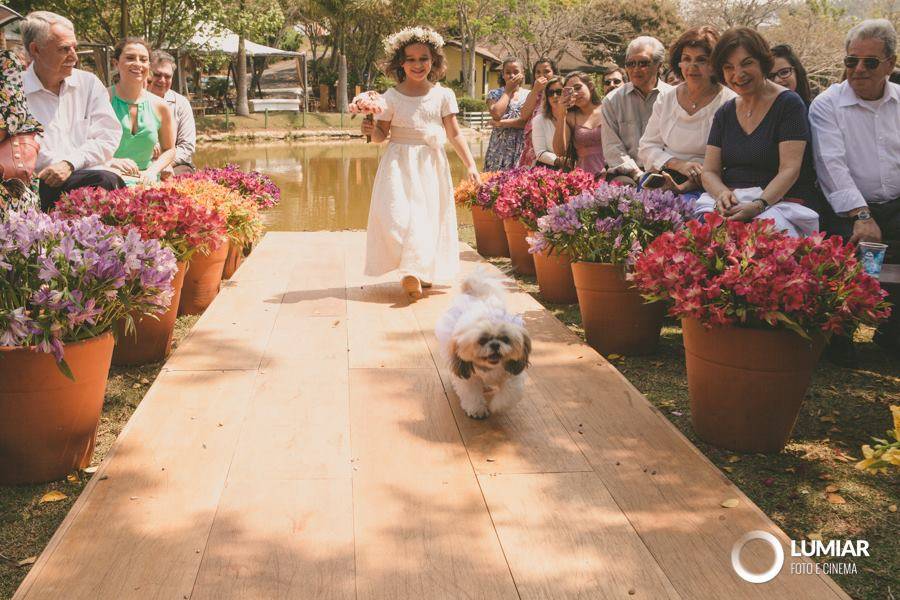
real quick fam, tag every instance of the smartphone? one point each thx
(654, 180)
(567, 93)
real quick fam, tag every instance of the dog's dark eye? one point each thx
(483, 340)
(504, 339)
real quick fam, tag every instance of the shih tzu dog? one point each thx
(485, 346)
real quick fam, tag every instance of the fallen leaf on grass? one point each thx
(53, 496)
(844, 457)
(831, 488)
(734, 459)
(835, 499)
(817, 537)
(26, 561)
(730, 503)
(892, 508)
(91, 470)
(614, 357)
(728, 469)
(144, 380)
(790, 470)
(828, 419)
(135, 386)
(72, 478)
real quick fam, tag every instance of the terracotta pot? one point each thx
(151, 340)
(233, 260)
(490, 238)
(202, 281)
(48, 423)
(522, 261)
(554, 276)
(616, 319)
(747, 385)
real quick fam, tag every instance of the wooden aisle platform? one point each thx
(304, 442)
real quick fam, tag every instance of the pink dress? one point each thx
(590, 150)
(528, 158)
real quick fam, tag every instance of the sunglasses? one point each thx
(782, 73)
(869, 62)
(556, 92)
(637, 64)
(612, 82)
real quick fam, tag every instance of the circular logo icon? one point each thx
(746, 575)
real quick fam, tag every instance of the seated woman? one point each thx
(544, 128)
(788, 71)
(674, 142)
(754, 166)
(542, 71)
(578, 117)
(505, 104)
(146, 119)
(15, 119)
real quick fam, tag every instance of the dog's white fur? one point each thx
(486, 346)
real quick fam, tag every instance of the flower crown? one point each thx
(395, 41)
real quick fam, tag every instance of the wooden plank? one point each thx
(280, 540)
(139, 526)
(564, 537)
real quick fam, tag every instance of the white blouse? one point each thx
(673, 133)
(542, 131)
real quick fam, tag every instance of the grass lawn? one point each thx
(842, 410)
(277, 120)
(26, 525)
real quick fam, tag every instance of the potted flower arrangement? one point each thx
(490, 239)
(604, 230)
(756, 307)
(251, 185)
(525, 196)
(63, 284)
(160, 213)
(243, 227)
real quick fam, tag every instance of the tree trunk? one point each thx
(242, 107)
(463, 44)
(470, 70)
(341, 101)
(123, 19)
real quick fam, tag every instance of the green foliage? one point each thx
(467, 104)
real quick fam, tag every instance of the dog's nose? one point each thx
(495, 346)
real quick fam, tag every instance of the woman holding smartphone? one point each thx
(578, 117)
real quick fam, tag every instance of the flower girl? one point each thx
(412, 218)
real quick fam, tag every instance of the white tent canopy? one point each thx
(212, 39)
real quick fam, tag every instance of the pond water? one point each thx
(324, 185)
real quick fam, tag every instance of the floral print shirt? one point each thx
(15, 118)
(507, 143)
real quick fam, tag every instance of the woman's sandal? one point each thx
(413, 287)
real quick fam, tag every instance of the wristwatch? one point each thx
(765, 205)
(863, 215)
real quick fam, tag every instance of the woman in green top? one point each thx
(146, 119)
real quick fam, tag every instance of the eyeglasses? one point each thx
(612, 82)
(638, 64)
(555, 92)
(782, 73)
(869, 62)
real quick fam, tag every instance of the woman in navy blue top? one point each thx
(754, 160)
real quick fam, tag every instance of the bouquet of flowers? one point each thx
(610, 224)
(466, 193)
(252, 185)
(489, 190)
(531, 192)
(730, 273)
(69, 280)
(367, 103)
(886, 452)
(241, 215)
(160, 213)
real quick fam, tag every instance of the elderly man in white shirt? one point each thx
(81, 132)
(162, 70)
(856, 138)
(856, 144)
(627, 110)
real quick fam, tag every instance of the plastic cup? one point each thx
(871, 255)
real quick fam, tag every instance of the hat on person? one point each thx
(8, 15)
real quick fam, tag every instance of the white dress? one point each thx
(412, 217)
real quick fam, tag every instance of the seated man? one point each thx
(162, 70)
(627, 109)
(81, 132)
(856, 140)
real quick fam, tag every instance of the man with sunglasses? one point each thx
(627, 110)
(613, 80)
(856, 142)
